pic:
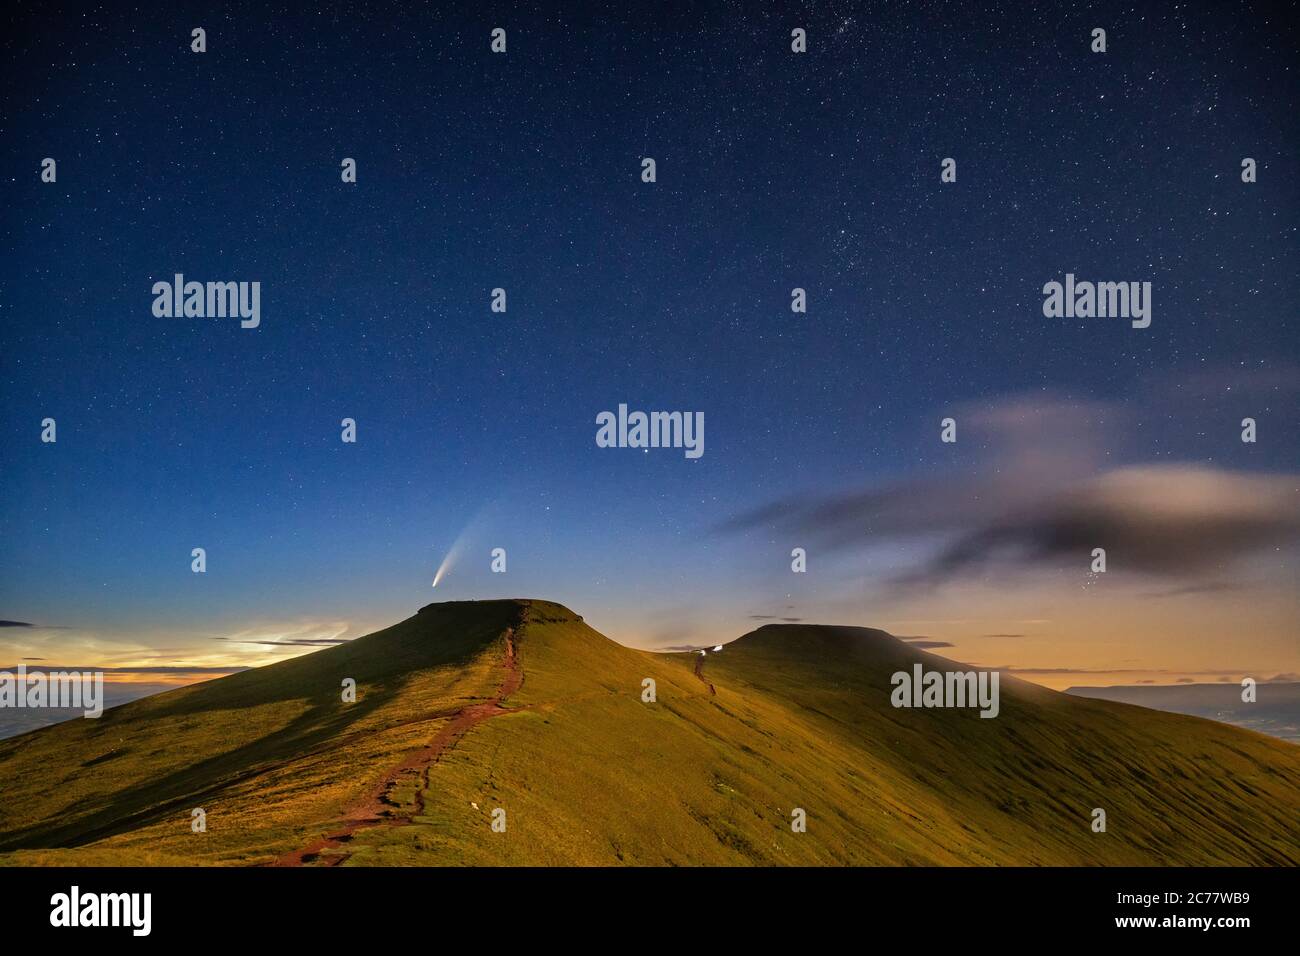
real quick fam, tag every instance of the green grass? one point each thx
(589, 774)
(272, 755)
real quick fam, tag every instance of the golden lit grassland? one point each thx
(272, 755)
(590, 774)
(1021, 788)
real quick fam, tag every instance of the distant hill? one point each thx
(1275, 711)
(470, 707)
(14, 721)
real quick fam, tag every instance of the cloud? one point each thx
(295, 634)
(1280, 380)
(291, 642)
(15, 624)
(1165, 520)
(1207, 587)
(1036, 446)
(1161, 671)
(171, 669)
(926, 643)
(1012, 669)
(1046, 496)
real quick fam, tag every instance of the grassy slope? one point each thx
(272, 755)
(592, 775)
(588, 774)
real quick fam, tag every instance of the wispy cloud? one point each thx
(290, 642)
(1046, 498)
(167, 669)
(1166, 520)
(926, 643)
(295, 634)
(1208, 587)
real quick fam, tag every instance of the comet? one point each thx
(458, 546)
(446, 566)
(449, 561)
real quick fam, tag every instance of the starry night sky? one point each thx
(522, 171)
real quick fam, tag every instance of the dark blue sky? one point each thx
(522, 171)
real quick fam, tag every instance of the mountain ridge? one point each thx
(585, 769)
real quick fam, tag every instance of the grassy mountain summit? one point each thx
(468, 708)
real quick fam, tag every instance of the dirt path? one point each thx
(375, 809)
(699, 672)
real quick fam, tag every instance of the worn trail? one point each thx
(375, 809)
(699, 672)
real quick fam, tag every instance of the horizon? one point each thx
(1278, 717)
(168, 677)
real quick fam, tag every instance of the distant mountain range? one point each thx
(509, 732)
(14, 721)
(1276, 710)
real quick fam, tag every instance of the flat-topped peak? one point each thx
(534, 609)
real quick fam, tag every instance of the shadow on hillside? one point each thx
(382, 663)
(187, 787)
